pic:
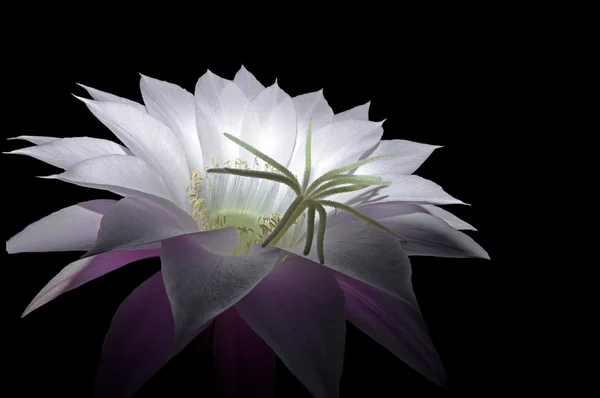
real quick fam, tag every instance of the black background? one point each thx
(439, 86)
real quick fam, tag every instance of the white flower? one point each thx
(242, 191)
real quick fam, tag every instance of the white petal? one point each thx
(201, 284)
(403, 188)
(298, 309)
(72, 228)
(176, 108)
(248, 83)
(360, 112)
(35, 139)
(309, 107)
(366, 253)
(123, 175)
(220, 108)
(150, 140)
(426, 235)
(103, 96)
(450, 218)
(408, 156)
(141, 220)
(66, 152)
(84, 270)
(270, 125)
(341, 143)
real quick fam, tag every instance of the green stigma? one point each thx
(311, 197)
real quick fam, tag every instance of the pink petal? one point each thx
(394, 323)
(245, 363)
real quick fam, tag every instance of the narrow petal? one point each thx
(360, 112)
(138, 342)
(298, 309)
(220, 108)
(70, 229)
(408, 156)
(364, 252)
(201, 284)
(34, 139)
(311, 107)
(426, 235)
(82, 271)
(66, 152)
(176, 108)
(249, 85)
(450, 218)
(341, 143)
(123, 175)
(395, 323)
(103, 96)
(245, 364)
(270, 125)
(141, 220)
(148, 139)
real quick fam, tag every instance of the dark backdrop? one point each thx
(439, 88)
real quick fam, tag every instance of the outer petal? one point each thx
(37, 140)
(270, 125)
(360, 112)
(141, 220)
(249, 85)
(220, 108)
(66, 152)
(139, 341)
(103, 96)
(82, 271)
(427, 235)
(408, 156)
(245, 364)
(366, 253)
(72, 228)
(450, 218)
(150, 140)
(123, 175)
(201, 284)
(176, 108)
(298, 309)
(341, 143)
(309, 107)
(395, 323)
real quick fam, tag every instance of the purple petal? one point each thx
(245, 363)
(139, 341)
(394, 323)
(298, 309)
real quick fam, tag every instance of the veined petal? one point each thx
(123, 175)
(84, 270)
(249, 85)
(141, 220)
(138, 342)
(150, 140)
(34, 139)
(201, 284)
(70, 229)
(366, 253)
(176, 108)
(341, 143)
(403, 188)
(270, 125)
(426, 235)
(298, 309)
(395, 323)
(220, 108)
(103, 96)
(408, 156)
(311, 107)
(360, 112)
(66, 152)
(246, 366)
